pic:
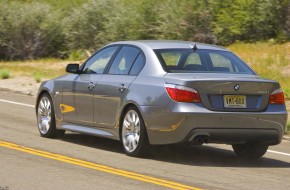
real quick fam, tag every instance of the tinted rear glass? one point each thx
(207, 61)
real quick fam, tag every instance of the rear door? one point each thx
(113, 86)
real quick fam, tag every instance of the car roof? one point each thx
(168, 44)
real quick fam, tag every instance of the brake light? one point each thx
(182, 93)
(277, 97)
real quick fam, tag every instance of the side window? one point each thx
(99, 61)
(138, 65)
(124, 60)
(221, 63)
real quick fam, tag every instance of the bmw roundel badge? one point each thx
(236, 87)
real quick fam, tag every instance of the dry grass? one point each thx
(37, 69)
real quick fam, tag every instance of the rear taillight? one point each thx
(182, 93)
(277, 97)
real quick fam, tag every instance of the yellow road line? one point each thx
(98, 167)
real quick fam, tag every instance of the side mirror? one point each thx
(72, 68)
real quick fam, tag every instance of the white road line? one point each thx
(17, 103)
(276, 152)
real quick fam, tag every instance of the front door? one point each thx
(78, 95)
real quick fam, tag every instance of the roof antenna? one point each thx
(194, 48)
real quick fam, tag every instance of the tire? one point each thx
(133, 134)
(46, 118)
(250, 151)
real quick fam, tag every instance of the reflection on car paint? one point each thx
(65, 108)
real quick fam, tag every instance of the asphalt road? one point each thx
(77, 161)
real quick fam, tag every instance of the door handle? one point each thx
(91, 86)
(122, 88)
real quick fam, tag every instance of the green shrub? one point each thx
(37, 77)
(5, 74)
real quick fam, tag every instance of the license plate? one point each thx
(234, 101)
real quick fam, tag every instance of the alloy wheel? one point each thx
(131, 130)
(44, 115)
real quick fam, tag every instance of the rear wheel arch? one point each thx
(132, 132)
(122, 114)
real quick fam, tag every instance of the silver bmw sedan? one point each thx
(146, 93)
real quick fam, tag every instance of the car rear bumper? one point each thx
(182, 122)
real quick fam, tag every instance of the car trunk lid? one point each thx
(227, 92)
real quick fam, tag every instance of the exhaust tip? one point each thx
(199, 140)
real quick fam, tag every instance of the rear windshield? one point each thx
(207, 61)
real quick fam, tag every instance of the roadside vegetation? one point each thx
(31, 29)
(37, 77)
(4, 74)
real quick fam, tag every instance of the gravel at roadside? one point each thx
(286, 137)
(22, 85)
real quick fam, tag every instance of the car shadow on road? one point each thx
(211, 157)
(187, 155)
(94, 142)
